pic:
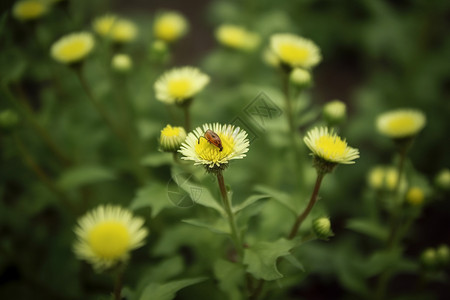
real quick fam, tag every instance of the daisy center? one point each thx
(109, 239)
(401, 123)
(170, 131)
(73, 48)
(293, 53)
(209, 152)
(179, 88)
(331, 146)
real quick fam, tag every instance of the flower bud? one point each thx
(171, 138)
(334, 112)
(121, 63)
(300, 77)
(429, 258)
(443, 254)
(442, 180)
(415, 196)
(322, 228)
(8, 120)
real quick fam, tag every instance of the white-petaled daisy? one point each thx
(402, 123)
(329, 147)
(198, 148)
(170, 26)
(171, 138)
(106, 235)
(295, 51)
(28, 10)
(73, 47)
(237, 37)
(180, 84)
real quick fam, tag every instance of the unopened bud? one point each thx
(300, 77)
(415, 196)
(334, 112)
(442, 179)
(122, 63)
(322, 228)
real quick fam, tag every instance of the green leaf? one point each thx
(280, 197)
(369, 228)
(154, 196)
(230, 276)
(261, 258)
(295, 262)
(157, 159)
(167, 291)
(249, 201)
(83, 175)
(220, 226)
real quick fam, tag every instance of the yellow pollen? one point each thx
(212, 153)
(179, 88)
(109, 239)
(170, 131)
(331, 147)
(293, 53)
(401, 123)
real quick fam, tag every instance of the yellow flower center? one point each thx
(415, 196)
(109, 239)
(401, 124)
(166, 30)
(72, 49)
(331, 147)
(30, 9)
(170, 131)
(292, 53)
(209, 152)
(234, 37)
(179, 88)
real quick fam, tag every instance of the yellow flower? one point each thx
(106, 235)
(29, 10)
(330, 147)
(415, 196)
(401, 123)
(270, 58)
(233, 140)
(170, 26)
(335, 111)
(171, 138)
(180, 84)
(385, 177)
(295, 51)
(442, 180)
(73, 47)
(121, 62)
(237, 37)
(118, 29)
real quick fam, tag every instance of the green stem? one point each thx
(287, 98)
(118, 285)
(27, 112)
(305, 213)
(187, 117)
(235, 235)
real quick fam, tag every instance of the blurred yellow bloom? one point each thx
(121, 62)
(415, 196)
(171, 138)
(180, 84)
(401, 123)
(118, 29)
(237, 37)
(29, 10)
(103, 25)
(330, 147)
(335, 111)
(383, 177)
(300, 77)
(106, 235)
(270, 58)
(295, 51)
(170, 26)
(73, 47)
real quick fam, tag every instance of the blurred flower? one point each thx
(237, 37)
(122, 62)
(382, 177)
(442, 180)
(300, 77)
(180, 84)
(329, 148)
(118, 29)
(8, 120)
(171, 138)
(270, 58)
(429, 258)
(233, 139)
(322, 228)
(443, 254)
(170, 26)
(376, 177)
(402, 123)
(295, 51)
(106, 235)
(29, 10)
(334, 112)
(73, 47)
(415, 196)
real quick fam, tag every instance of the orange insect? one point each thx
(212, 138)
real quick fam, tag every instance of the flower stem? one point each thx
(287, 98)
(118, 285)
(305, 213)
(235, 235)
(187, 117)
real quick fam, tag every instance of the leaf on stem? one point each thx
(282, 198)
(219, 226)
(249, 201)
(230, 276)
(84, 175)
(167, 291)
(154, 196)
(369, 228)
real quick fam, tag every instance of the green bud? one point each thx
(443, 254)
(334, 112)
(300, 77)
(442, 180)
(322, 228)
(8, 120)
(429, 258)
(171, 138)
(121, 63)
